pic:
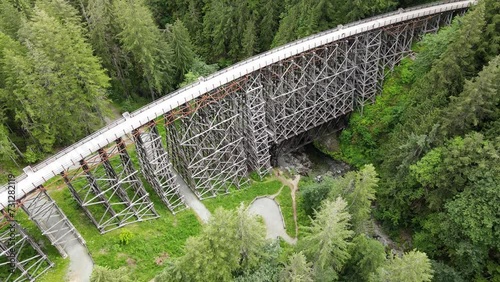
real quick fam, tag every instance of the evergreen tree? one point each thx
(367, 255)
(58, 89)
(230, 242)
(297, 269)
(306, 17)
(198, 68)
(269, 24)
(326, 242)
(418, 130)
(477, 105)
(360, 197)
(250, 238)
(103, 32)
(249, 40)
(148, 48)
(489, 46)
(10, 19)
(413, 266)
(219, 28)
(183, 54)
(6, 150)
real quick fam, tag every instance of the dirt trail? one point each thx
(294, 187)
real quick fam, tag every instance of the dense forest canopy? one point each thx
(433, 136)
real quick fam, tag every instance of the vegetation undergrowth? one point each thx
(285, 200)
(268, 186)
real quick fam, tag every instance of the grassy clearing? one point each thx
(286, 202)
(269, 186)
(150, 243)
(9, 167)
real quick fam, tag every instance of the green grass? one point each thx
(303, 219)
(269, 186)
(56, 273)
(286, 203)
(150, 240)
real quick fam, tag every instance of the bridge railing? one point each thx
(225, 70)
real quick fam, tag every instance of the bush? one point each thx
(125, 237)
(105, 274)
(313, 193)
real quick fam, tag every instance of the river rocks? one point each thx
(309, 161)
(296, 163)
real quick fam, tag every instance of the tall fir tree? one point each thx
(183, 51)
(150, 52)
(327, 240)
(58, 89)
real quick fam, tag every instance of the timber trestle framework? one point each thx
(216, 131)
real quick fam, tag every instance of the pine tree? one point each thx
(477, 105)
(183, 54)
(6, 150)
(249, 40)
(250, 238)
(297, 269)
(414, 266)
(219, 28)
(10, 19)
(367, 255)
(326, 242)
(306, 17)
(231, 241)
(58, 89)
(361, 196)
(148, 48)
(103, 32)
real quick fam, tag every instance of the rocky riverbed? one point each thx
(309, 161)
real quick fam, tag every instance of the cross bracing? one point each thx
(50, 219)
(395, 43)
(156, 166)
(207, 144)
(108, 188)
(21, 259)
(223, 126)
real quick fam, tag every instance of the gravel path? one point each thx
(192, 201)
(80, 263)
(270, 212)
